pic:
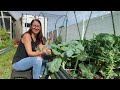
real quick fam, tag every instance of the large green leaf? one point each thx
(82, 56)
(63, 48)
(69, 53)
(56, 52)
(80, 46)
(54, 65)
(86, 72)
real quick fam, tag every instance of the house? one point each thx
(16, 25)
(7, 21)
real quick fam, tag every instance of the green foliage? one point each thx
(86, 71)
(3, 34)
(105, 38)
(68, 52)
(104, 51)
(98, 58)
(54, 65)
(5, 40)
(58, 40)
(6, 43)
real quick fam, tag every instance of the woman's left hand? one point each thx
(51, 36)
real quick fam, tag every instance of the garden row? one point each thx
(98, 58)
(5, 40)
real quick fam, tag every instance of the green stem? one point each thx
(76, 65)
(110, 68)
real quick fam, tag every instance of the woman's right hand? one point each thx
(46, 51)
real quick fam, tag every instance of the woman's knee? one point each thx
(38, 60)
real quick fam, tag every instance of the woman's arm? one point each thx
(40, 47)
(26, 40)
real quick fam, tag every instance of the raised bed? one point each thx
(62, 74)
(5, 50)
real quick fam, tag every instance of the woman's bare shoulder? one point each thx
(26, 37)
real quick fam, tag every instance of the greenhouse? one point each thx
(84, 45)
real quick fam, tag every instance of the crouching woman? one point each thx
(26, 55)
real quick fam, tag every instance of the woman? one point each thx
(27, 55)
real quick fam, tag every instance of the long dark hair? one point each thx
(39, 36)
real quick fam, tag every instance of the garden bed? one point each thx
(5, 50)
(98, 58)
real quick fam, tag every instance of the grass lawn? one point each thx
(5, 63)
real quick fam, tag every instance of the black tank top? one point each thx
(21, 51)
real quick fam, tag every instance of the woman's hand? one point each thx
(51, 36)
(46, 51)
(49, 39)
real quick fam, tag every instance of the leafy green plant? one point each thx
(6, 43)
(68, 52)
(98, 58)
(3, 34)
(5, 40)
(58, 40)
(104, 52)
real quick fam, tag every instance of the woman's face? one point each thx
(36, 27)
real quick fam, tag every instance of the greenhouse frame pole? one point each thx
(10, 27)
(26, 22)
(66, 26)
(87, 24)
(56, 24)
(83, 29)
(77, 24)
(66, 29)
(113, 22)
(44, 24)
(3, 20)
(66, 17)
